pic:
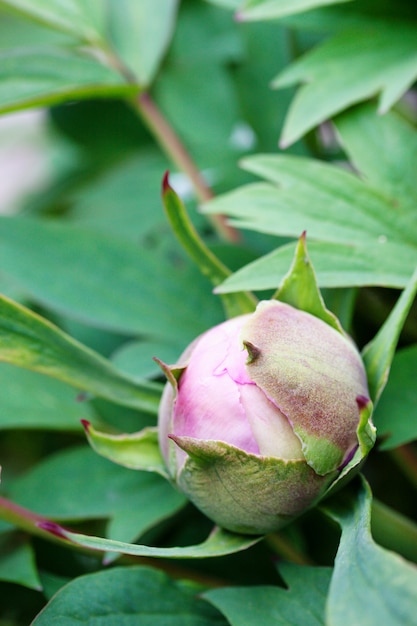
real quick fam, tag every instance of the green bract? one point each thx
(262, 415)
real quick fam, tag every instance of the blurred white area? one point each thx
(24, 162)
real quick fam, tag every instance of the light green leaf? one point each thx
(330, 203)
(80, 18)
(303, 602)
(42, 77)
(103, 280)
(203, 257)
(274, 9)
(139, 451)
(395, 417)
(336, 265)
(82, 485)
(384, 150)
(379, 352)
(299, 287)
(140, 34)
(219, 543)
(135, 358)
(128, 596)
(382, 59)
(32, 401)
(370, 585)
(17, 561)
(29, 341)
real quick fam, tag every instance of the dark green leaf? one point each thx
(370, 585)
(29, 341)
(379, 352)
(83, 485)
(395, 416)
(17, 561)
(301, 604)
(32, 401)
(128, 596)
(106, 281)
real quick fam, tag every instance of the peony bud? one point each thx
(261, 415)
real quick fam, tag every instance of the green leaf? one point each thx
(29, 341)
(299, 287)
(357, 235)
(17, 561)
(370, 585)
(301, 191)
(274, 9)
(82, 485)
(336, 265)
(205, 260)
(135, 358)
(395, 416)
(140, 34)
(128, 596)
(139, 451)
(32, 401)
(379, 352)
(303, 602)
(103, 280)
(384, 150)
(382, 59)
(82, 19)
(42, 77)
(219, 543)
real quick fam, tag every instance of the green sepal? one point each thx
(366, 430)
(210, 266)
(247, 493)
(299, 287)
(320, 453)
(139, 451)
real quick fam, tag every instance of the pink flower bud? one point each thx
(261, 415)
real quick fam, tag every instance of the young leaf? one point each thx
(129, 596)
(139, 451)
(205, 260)
(29, 341)
(303, 602)
(379, 352)
(370, 585)
(382, 59)
(299, 287)
(219, 543)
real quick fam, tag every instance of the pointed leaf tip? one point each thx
(53, 529)
(362, 402)
(165, 182)
(86, 425)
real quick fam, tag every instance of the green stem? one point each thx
(281, 545)
(175, 149)
(406, 459)
(394, 531)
